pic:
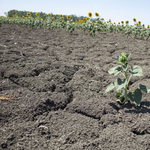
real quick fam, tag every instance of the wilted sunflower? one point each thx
(127, 22)
(96, 14)
(134, 19)
(89, 14)
(37, 14)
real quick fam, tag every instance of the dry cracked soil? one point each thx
(55, 93)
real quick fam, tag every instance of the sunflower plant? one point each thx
(90, 26)
(147, 34)
(70, 25)
(130, 95)
(128, 30)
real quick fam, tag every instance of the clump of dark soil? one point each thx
(60, 102)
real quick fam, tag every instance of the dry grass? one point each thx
(8, 98)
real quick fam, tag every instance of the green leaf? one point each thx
(110, 87)
(135, 97)
(118, 94)
(116, 61)
(136, 71)
(125, 67)
(145, 88)
(127, 55)
(118, 100)
(115, 70)
(120, 84)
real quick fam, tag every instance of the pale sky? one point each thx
(116, 10)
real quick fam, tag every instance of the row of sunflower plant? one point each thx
(87, 24)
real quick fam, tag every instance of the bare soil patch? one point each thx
(60, 102)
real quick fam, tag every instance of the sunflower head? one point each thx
(102, 19)
(96, 14)
(68, 17)
(139, 22)
(86, 18)
(28, 14)
(122, 22)
(118, 22)
(60, 15)
(37, 14)
(76, 21)
(134, 19)
(89, 14)
(147, 26)
(48, 14)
